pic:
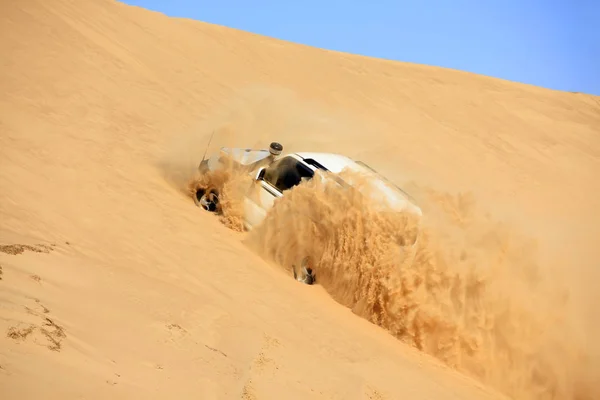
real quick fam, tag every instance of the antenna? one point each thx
(207, 146)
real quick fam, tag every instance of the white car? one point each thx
(275, 173)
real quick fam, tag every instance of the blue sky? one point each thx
(548, 43)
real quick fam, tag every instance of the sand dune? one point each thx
(113, 284)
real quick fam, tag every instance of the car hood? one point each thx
(385, 196)
(388, 195)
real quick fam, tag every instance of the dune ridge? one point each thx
(105, 112)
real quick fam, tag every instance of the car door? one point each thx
(258, 202)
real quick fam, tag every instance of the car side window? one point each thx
(286, 173)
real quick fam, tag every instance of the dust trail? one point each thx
(471, 293)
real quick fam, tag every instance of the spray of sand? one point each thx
(470, 292)
(229, 183)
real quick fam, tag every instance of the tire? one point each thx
(304, 274)
(207, 200)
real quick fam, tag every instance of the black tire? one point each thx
(207, 200)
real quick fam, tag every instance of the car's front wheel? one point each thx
(207, 199)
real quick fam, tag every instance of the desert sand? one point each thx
(113, 284)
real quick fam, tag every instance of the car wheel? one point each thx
(207, 199)
(304, 273)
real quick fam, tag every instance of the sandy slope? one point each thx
(137, 294)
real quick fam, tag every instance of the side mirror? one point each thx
(260, 174)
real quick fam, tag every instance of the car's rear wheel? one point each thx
(304, 273)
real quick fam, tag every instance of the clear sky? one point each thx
(549, 43)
